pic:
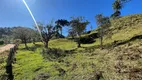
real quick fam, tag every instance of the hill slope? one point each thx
(120, 60)
(122, 29)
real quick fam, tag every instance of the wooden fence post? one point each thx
(11, 59)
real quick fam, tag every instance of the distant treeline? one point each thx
(5, 31)
(8, 34)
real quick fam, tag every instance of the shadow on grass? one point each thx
(55, 53)
(120, 42)
(111, 45)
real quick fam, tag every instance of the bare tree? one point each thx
(47, 32)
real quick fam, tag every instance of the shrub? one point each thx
(88, 32)
(52, 53)
(42, 76)
(87, 40)
(1, 42)
(94, 35)
(17, 41)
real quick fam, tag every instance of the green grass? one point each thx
(121, 29)
(2, 65)
(1, 45)
(83, 64)
(63, 44)
(28, 62)
(78, 66)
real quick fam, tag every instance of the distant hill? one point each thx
(5, 31)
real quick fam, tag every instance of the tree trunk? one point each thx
(34, 41)
(61, 31)
(101, 39)
(72, 36)
(46, 44)
(57, 34)
(101, 42)
(25, 42)
(79, 45)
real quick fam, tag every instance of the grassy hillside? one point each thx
(122, 29)
(120, 62)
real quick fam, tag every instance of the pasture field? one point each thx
(120, 59)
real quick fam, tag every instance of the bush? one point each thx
(85, 40)
(1, 42)
(94, 35)
(17, 41)
(52, 53)
(88, 32)
(42, 76)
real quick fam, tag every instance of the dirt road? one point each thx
(6, 47)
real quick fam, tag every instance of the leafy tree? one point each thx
(5, 31)
(116, 14)
(56, 30)
(35, 37)
(6, 38)
(103, 24)
(23, 33)
(78, 25)
(47, 32)
(125, 1)
(61, 23)
(117, 6)
(71, 33)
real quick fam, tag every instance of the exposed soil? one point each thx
(6, 47)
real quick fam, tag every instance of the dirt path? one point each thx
(6, 47)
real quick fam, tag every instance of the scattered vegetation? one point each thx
(79, 56)
(1, 42)
(117, 6)
(78, 25)
(104, 24)
(25, 34)
(61, 23)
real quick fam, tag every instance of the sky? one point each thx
(14, 13)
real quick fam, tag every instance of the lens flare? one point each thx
(32, 17)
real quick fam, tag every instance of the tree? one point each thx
(78, 25)
(61, 23)
(47, 32)
(103, 24)
(35, 37)
(125, 1)
(56, 30)
(25, 34)
(71, 33)
(5, 31)
(117, 6)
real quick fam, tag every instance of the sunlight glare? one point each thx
(32, 17)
